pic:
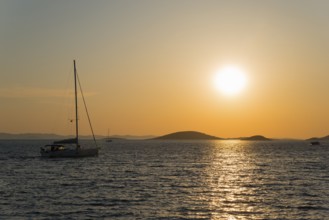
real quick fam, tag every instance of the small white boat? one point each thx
(71, 147)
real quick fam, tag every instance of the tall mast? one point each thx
(76, 104)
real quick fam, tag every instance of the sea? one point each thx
(174, 180)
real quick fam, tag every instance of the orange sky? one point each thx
(147, 67)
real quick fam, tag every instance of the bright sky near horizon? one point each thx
(148, 67)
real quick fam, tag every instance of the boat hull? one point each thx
(88, 152)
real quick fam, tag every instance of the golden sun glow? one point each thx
(230, 80)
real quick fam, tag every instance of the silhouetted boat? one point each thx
(71, 147)
(108, 136)
(315, 143)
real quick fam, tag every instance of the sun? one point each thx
(230, 80)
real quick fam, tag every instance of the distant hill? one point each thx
(255, 138)
(40, 136)
(182, 135)
(325, 138)
(187, 135)
(31, 136)
(131, 137)
(195, 135)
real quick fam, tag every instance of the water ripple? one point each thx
(216, 180)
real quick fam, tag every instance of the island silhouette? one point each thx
(187, 135)
(255, 138)
(180, 135)
(325, 138)
(195, 135)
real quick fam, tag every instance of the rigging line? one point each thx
(84, 102)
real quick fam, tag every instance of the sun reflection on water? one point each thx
(231, 178)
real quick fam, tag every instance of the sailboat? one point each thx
(108, 136)
(71, 147)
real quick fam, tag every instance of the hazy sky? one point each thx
(147, 67)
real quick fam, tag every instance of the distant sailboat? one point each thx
(108, 136)
(71, 147)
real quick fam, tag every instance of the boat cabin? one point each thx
(53, 147)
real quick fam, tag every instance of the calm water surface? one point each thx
(167, 180)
